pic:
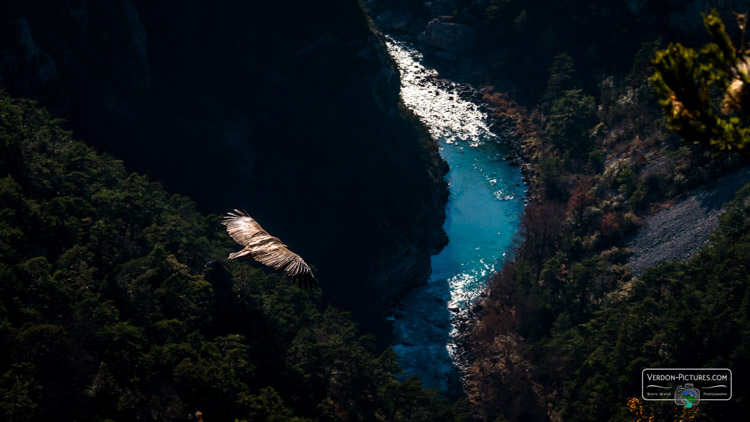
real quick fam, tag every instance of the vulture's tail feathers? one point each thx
(305, 280)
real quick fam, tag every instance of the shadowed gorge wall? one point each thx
(289, 110)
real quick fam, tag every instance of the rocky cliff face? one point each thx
(287, 109)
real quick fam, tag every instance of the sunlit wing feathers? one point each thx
(266, 249)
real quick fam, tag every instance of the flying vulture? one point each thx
(266, 249)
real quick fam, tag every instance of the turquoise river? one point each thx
(482, 218)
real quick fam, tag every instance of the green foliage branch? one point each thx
(706, 94)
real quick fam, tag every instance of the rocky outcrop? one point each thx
(449, 36)
(446, 25)
(289, 110)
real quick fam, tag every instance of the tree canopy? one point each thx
(116, 303)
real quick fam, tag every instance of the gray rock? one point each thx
(678, 232)
(384, 20)
(449, 36)
(401, 21)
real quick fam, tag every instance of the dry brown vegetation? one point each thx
(587, 197)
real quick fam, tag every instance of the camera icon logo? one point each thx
(687, 395)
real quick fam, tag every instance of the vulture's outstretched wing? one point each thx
(266, 249)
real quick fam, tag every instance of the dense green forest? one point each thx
(567, 328)
(116, 303)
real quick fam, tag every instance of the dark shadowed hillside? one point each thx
(287, 109)
(116, 303)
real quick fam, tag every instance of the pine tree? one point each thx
(688, 82)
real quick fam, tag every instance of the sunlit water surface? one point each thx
(482, 217)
